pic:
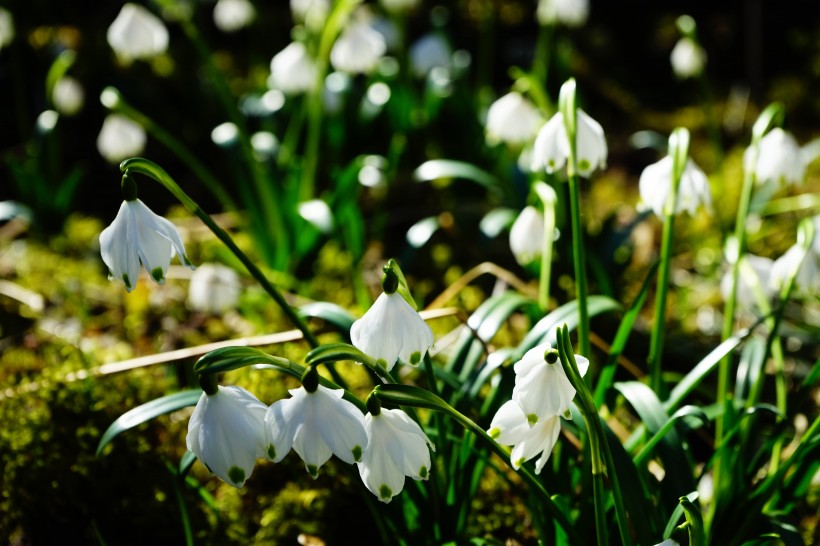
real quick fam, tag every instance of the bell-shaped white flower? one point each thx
(137, 33)
(67, 96)
(551, 148)
(120, 138)
(6, 27)
(510, 427)
(572, 13)
(527, 235)
(318, 214)
(780, 159)
(755, 272)
(656, 186)
(227, 434)
(396, 447)
(232, 15)
(428, 52)
(316, 425)
(358, 49)
(391, 330)
(293, 70)
(137, 235)
(807, 281)
(687, 58)
(542, 389)
(213, 289)
(513, 119)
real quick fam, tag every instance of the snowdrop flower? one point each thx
(316, 425)
(808, 275)
(67, 96)
(542, 389)
(429, 52)
(317, 213)
(687, 58)
(120, 138)
(232, 15)
(358, 49)
(213, 289)
(758, 266)
(510, 427)
(293, 70)
(396, 447)
(779, 160)
(656, 185)
(391, 329)
(513, 119)
(572, 13)
(227, 433)
(6, 27)
(137, 235)
(137, 33)
(668, 542)
(527, 236)
(551, 148)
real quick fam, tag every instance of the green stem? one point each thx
(157, 173)
(548, 197)
(541, 62)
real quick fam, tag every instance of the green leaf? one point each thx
(750, 368)
(682, 413)
(148, 411)
(232, 358)
(677, 514)
(447, 168)
(334, 352)
(186, 462)
(697, 535)
(330, 313)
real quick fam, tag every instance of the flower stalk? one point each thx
(549, 199)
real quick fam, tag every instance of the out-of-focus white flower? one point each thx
(780, 159)
(572, 13)
(668, 542)
(6, 27)
(527, 235)
(400, 6)
(232, 15)
(551, 148)
(316, 425)
(137, 33)
(227, 434)
(318, 213)
(315, 10)
(293, 70)
(137, 235)
(396, 447)
(656, 186)
(68, 96)
(510, 427)
(392, 330)
(120, 138)
(542, 389)
(513, 119)
(358, 49)
(687, 58)
(213, 289)
(428, 52)
(807, 281)
(754, 275)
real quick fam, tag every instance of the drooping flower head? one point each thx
(656, 186)
(392, 330)
(687, 58)
(137, 33)
(551, 149)
(527, 235)
(513, 119)
(213, 289)
(510, 427)
(780, 160)
(120, 138)
(428, 52)
(226, 432)
(572, 13)
(67, 96)
(358, 49)
(232, 15)
(6, 27)
(293, 70)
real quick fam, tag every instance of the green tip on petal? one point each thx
(357, 453)
(532, 419)
(423, 473)
(568, 415)
(494, 433)
(158, 275)
(126, 280)
(518, 462)
(237, 475)
(415, 358)
(271, 452)
(551, 163)
(385, 492)
(584, 164)
(313, 470)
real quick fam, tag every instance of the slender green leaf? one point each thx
(186, 462)
(330, 313)
(677, 514)
(447, 168)
(697, 535)
(750, 368)
(232, 358)
(334, 352)
(682, 413)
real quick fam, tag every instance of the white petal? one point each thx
(509, 425)
(283, 419)
(379, 468)
(119, 249)
(543, 392)
(527, 235)
(549, 151)
(591, 144)
(340, 424)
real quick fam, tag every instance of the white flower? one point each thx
(551, 148)
(780, 159)
(668, 542)
(138, 235)
(120, 138)
(67, 96)
(510, 427)
(392, 330)
(137, 33)
(316, 425)
(317, 213)
(302, 10)
(213, 289)
(227, 433)
(807, 281)
(232, 15)
(358, 49)
(755, 271)
(513, 119)
(656, 186)
(6, 27)
(542, 389)
(396, 447)
(428, 52)
(293, 70)
(687, 58)
(527, 236)
(572, 13)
